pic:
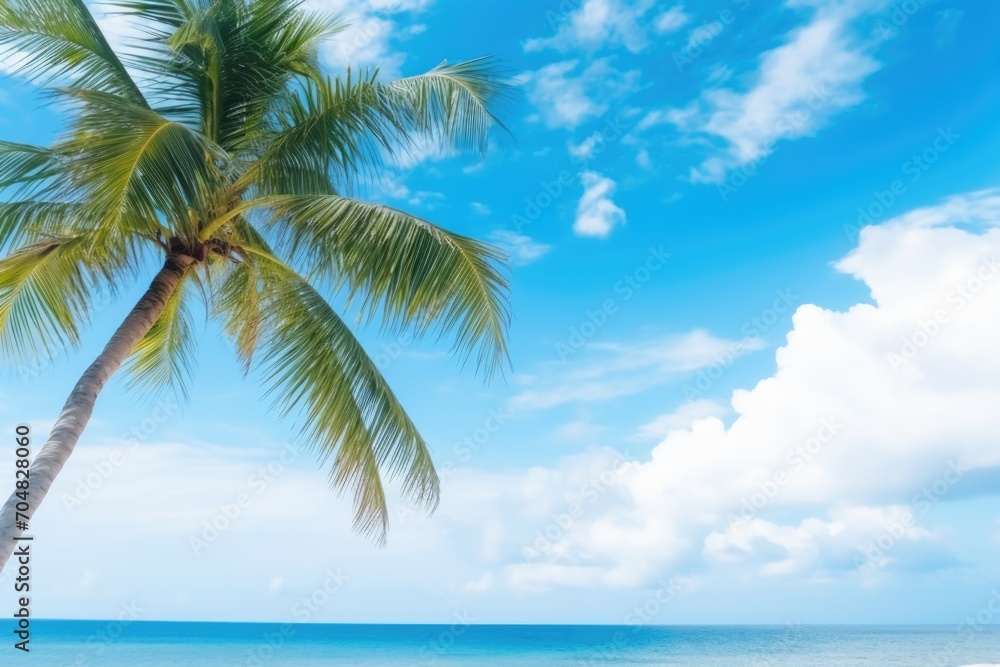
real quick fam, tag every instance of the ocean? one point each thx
(156, 644)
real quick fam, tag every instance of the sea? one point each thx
(155, 644)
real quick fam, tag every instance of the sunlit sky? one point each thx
(754, 354)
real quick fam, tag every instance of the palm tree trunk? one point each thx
(80, 404)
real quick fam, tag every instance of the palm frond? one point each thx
(239, 303)
(317, 371)
(334, 131)
(46, 292)
(164, 358)
(171, 13)
(23, 222)
(345, 128)
(409, 271)
(50, 40)
(26, 167)
(137, 168)
(230, 60)
(454, 103)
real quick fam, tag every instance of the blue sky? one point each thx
(697, 309)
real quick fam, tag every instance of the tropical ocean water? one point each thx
(102, 643)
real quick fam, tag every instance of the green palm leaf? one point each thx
(454, 103)
(139, 169)
(165, 356)
(46, 291)
(409, 271)
(318, 371)
(56, 39)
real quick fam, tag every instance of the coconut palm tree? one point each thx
(218, 153)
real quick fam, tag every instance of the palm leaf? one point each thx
(411, 272)
(55, 39)
(46, 292)
(347, 127)
(26, 166)
(165, 356)
(138, 168)
(240, 305)
(317, 370)
(454, 103)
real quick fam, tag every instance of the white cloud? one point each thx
(522, 249)
(585, 149)
(704, 34)
(426, 198)
(671, 20)
(480, 209)
(873, 415)
(597, 23)
(474, 168)
(567, 97)
(798, 87)
(373, 25)
(814, 544)
(719, 74)
(612, 370)
(681, 418)
(643, 160)
(596, 214)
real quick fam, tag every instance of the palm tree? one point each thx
(220, 151)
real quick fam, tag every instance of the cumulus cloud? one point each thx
(671, 20)
(567, 95)
(873, 415)
(596, 214)
(521, 248)
(797, 88)
(598, 23)
(681, 418)
(372, 28)
(586, 148)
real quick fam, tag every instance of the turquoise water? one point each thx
(100, 644)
